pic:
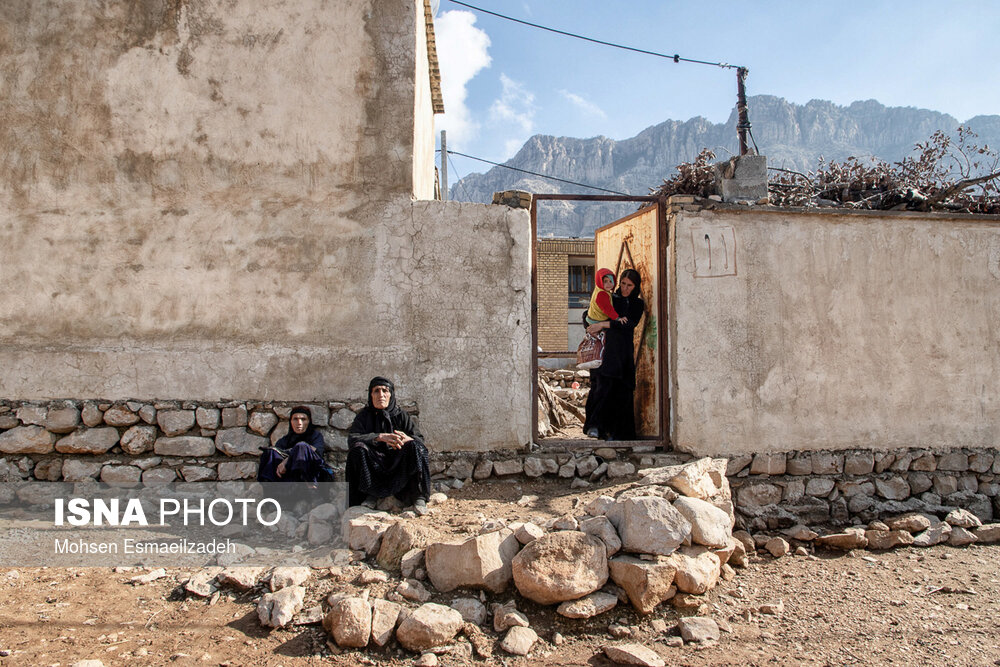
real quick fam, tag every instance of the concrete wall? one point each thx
(208, 200)
(798, 330)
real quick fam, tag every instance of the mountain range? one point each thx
(792, 136)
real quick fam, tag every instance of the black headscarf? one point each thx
(634, 276)
(310, 435)
(371, 421)
(302, 410)
(379, 381)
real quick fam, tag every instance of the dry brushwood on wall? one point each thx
(945, 173)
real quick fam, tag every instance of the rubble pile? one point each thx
(562, 395)
(666, 537)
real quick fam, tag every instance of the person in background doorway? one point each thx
(609, 410)
(386, 455)
(298, 456)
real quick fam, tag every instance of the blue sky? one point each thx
(504, 82)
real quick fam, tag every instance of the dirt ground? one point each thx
(938, 606)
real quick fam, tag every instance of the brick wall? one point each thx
(553, 289)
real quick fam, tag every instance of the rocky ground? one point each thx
(910, 605)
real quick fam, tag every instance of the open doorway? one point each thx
(563, 271)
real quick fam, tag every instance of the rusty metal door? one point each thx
(633, 242)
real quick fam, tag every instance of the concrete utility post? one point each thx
(444, 165)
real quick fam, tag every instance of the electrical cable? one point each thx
(458, 180)
(535, 173)
(676, 58)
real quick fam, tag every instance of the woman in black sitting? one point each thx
(387, 456)
(297, 457)
(609, 409)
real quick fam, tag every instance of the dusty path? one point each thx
(938, 606)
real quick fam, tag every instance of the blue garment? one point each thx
(303, 453)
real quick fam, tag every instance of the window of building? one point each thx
(581, 283)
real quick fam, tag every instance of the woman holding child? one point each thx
(610, 411)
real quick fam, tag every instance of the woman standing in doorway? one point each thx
(610, 411)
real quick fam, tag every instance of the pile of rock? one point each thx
(562, 395)
(563, 381)
(666, 537)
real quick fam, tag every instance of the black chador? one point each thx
(375, 468)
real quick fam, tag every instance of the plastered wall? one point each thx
(797, 330)
(207, 200)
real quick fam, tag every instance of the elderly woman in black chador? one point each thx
(297, 457)
(609, 409)
(387, 456)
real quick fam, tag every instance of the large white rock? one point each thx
(959, 518)
(601, 528)
(175, 422)
(283, 577)
(696, 574)
(364, 529)
(911, 523)
(483, 561)
(988, 533)
(241, 578)
(349, 621)
(694, 479)
(518, 640)
(184, 445)
(647, 583)
(278, 609)
(710, 525)
(698, 629)
(138, 440)
(400, 538)
(561, 566)
(427, 626)
(79, 471)
(237, 441)
(849, 539)
(588, 606)
(89, 441)
(936, 534)
(471, 609)
(651, 525)
(385, 615)
(633, 654)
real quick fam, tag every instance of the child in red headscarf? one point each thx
(600, 301)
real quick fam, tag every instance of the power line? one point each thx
(535, 173)
(458, 180)
(676, 58)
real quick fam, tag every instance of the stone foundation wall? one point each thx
(165, 441)
(858, 486)
(155, 442)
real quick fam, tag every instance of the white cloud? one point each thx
(463, 51)
(584, 104)
(513, 113)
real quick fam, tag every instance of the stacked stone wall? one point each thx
(154, 442)
(165, 441)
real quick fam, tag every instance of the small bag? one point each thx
(591, 352)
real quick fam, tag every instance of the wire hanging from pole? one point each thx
(675, 57)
